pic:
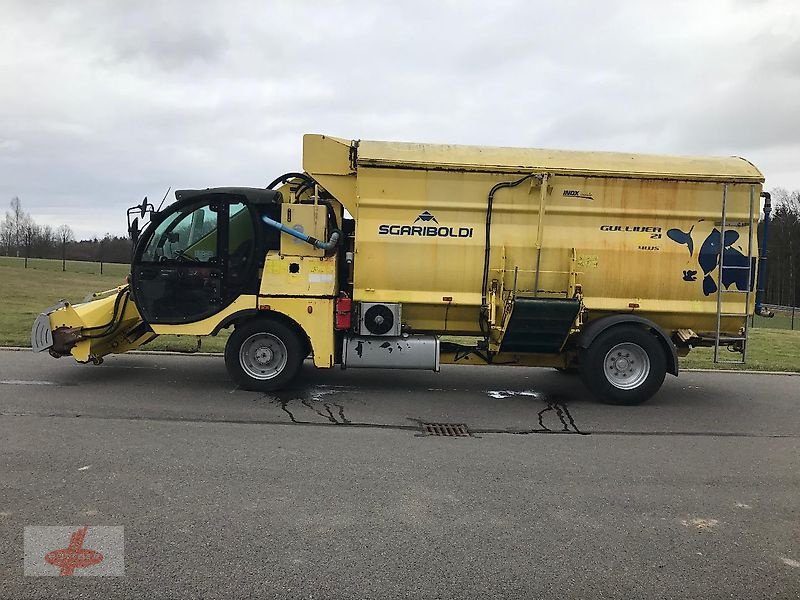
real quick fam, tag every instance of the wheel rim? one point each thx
(263, 356)
(626, 366)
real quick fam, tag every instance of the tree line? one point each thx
(21, 236)
(783, 262)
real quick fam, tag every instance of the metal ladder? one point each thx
(721, 291)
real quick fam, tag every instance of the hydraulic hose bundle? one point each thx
(307, 183)
(120, 304)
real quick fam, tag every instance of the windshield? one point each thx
(189, 233)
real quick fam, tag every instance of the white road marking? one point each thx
(700, 523)
(84, 468)
(134, 367)
(501, 394)
(340, 387)
(26, 382)
(318, 392)
(791, 562)
(742, 505)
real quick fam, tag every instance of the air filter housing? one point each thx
(380, 319)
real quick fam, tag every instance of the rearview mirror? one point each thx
(133, 229)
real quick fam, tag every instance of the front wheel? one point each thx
(263, 355)
(624, 365)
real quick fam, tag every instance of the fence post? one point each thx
(793, 309)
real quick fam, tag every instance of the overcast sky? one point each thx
(102, 103)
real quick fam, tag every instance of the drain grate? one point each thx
(445, 429)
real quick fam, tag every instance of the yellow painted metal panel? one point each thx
(299, 276)
(618, 228)
(508, 359)
(326, 154)
(328, 160)
(206, 326)
(93, 315)
(307, 218)
(315, 316)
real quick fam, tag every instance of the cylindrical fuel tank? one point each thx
(380, 352)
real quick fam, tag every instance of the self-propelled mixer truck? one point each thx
(406, 256)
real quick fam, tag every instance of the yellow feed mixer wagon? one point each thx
(406, 256)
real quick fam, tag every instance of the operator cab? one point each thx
(199, 254)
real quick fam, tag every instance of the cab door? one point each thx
(195, 259)
(179, 268)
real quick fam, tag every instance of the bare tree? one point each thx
(7, 234)
(102, 247)
(18, 221)
(47, 236)
(65, 236)
(30, 231)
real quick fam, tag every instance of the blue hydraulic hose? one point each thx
(322, 245)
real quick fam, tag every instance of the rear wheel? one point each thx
(263, 355)
(624, 365)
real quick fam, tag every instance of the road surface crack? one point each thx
(315, 402)
(414, 428)
(564, 416)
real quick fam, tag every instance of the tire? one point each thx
(624, 365)
(264, 355)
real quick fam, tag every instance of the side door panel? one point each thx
(196, 260)
(178, 274)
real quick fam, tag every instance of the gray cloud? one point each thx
(104, 102)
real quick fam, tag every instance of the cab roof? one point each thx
(253, 195)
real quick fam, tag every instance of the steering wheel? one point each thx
(181, 255)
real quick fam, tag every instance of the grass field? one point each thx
(767, 350)
(24, 293)
(781, 320)
(73, 266)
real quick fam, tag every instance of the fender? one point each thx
(230, 319)
(244, 315)
(595, 328)
(311, 318)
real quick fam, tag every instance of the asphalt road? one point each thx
(332, 491)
